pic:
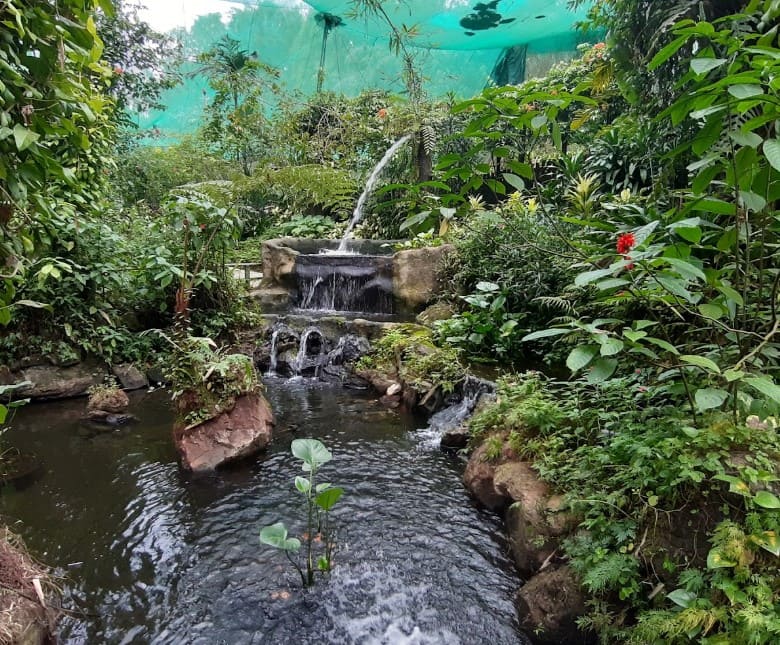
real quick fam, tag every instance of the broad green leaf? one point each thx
(741, 138)
(711, 311)
(667, 52)
(544, 333)
(710, 398)
(675, 287)
(733, 375)
(24, 137)
(732, 294)
(715, 560)
(312, 452)
(601, 369)
(736, 485)
(701, 361)
(634, 336)
(663, 344)
(581, 356)
(275, 535)
(589, 276)
(644, 324)
(681, 597)
(611, 283)
(704, 65)
(686, 269)
(514, 181)
(768, 541)
(610, 346)
(643, 232)
(745, 90)
(765, 499)
(327, 499)
(303, 485)
(538, 121)
(752, 201)
(765, 386)
(772, 152)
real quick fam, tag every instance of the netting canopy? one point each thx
(460, 46)
(542, 25)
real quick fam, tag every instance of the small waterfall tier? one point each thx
(349, 283)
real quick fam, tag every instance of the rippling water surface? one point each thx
(153, 555)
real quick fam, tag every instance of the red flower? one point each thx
(625, 243)
(382, 113)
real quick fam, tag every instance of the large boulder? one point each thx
(418, 275)
(549, 605)
(480, 474)
(234, 434)
(279, 264)
(535, 526)
(108, 399)
(52, 382)
(129, 376)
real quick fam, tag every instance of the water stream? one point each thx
(370, 184)
(157, 556)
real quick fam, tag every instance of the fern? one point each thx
(428, 135)
(556, 303)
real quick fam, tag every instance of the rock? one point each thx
(349, 349)
(437, 311)
(111, 400)
(478, 479)
(129, 376)
(272, 298)
(391, 402)
(548, 606)
(156, 376)
(393, 389)
(103, 417)
(279, 265)
(418, 275)
(235, 434)
(51, 382)
(379, 381)
(456, 438)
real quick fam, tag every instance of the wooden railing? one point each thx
(250, 272)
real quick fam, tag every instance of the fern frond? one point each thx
(428, 135)
(557, 303)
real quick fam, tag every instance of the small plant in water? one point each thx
(320, 499)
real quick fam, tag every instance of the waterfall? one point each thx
(370, 184)
(303, 360)
(274, 359)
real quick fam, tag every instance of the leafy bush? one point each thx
(484, 330)
(147, 173)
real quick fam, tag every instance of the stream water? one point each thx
(153, 555)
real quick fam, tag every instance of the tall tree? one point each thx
(235, 119)
(145, 62)
(55, 127)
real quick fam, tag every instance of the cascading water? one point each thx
(311, 352)
(274, 357)
(370, 184)
(456, 413)
(355, 283)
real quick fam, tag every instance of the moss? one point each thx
(409, 352)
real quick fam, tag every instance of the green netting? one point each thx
(460, 45)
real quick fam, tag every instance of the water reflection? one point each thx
(155, 555)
